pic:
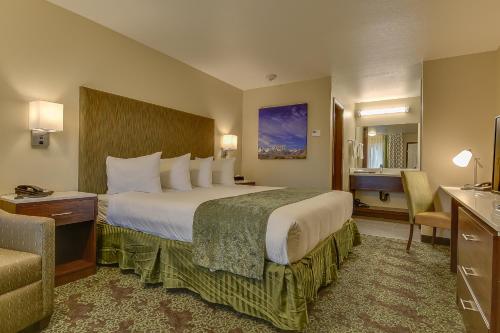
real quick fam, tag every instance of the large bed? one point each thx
(292, 230)
(152, 233)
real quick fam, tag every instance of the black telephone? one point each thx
(31, 191)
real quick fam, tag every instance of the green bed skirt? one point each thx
(281, 297)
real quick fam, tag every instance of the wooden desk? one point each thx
(475, 256)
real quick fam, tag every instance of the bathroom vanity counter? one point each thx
(378, 182)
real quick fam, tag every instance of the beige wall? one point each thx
(47, 53)
(460, 97)
(311, 172)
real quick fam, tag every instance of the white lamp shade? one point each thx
(372, 132)
(229, 142)
(463, 158)
(46, 116)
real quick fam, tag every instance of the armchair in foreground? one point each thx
(26, 271)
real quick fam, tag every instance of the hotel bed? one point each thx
(292, 230)
(156, 234)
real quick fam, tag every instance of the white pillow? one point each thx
(223, 171)
(140, 174)
(174, 173)
(201, 171)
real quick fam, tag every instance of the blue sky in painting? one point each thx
(283, 125)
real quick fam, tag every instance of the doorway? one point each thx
(337, 130)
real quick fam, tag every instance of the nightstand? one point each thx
(245, 182)
(75, 215)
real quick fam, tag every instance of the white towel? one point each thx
(359, 151)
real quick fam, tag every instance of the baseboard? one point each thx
(438, 240)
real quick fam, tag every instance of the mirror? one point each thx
(390, 146)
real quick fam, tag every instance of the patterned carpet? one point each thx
(381, 289)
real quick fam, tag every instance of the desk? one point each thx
(475, 257)
(480, 204)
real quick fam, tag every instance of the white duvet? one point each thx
(292, 230)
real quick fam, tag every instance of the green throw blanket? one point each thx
(229, 234)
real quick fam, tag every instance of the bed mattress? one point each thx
(292, 230)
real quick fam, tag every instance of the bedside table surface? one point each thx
(53, 197)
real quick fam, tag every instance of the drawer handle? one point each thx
(470, 305)
(469, 271)
(471, 238)
(61, 214)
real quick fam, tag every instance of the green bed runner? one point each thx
(229, 234)
(280, 298)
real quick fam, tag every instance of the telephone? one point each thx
(486, 186)
(31, 191)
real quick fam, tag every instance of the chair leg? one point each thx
(410, 238)
(433, 236)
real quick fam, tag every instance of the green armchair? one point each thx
(26, 271)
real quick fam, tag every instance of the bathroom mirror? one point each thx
(390, 146)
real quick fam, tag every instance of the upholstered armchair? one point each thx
(420, 201)
(26, 271)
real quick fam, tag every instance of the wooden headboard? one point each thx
(112, 125)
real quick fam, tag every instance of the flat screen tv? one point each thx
(495, 186)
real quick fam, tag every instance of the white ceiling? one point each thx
(375, 47)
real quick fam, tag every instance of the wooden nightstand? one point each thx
(245, 182)
(75, 215)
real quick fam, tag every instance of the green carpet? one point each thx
(381, 288)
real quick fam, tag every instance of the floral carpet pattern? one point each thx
(381, 288)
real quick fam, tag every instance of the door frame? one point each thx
(337, 144)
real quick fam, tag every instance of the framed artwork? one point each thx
(283, 132)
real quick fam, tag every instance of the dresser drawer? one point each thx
(469, 309)
(62, 211)
(475, 252)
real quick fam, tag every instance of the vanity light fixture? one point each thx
(376, 112)
(229, 142)
(44, 118)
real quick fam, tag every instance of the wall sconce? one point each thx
(44, 118)
(229, 142)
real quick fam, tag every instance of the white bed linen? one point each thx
(292, 230)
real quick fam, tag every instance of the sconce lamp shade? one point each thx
(229, 142)
(46, 116)
(463, 158)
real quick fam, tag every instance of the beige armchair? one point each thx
(420, 201)
(26, 271)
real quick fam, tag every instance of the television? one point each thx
(495, 185)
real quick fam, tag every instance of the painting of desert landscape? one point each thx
(283, 132)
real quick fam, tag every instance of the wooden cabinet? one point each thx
(75, 234)
(478, 277)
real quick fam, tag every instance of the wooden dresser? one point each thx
(476, 258)
(74, 214)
